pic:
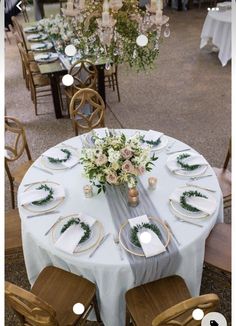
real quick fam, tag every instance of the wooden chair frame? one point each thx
(19, 130)
(87, 96)
(111, 79)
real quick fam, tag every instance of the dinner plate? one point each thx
(185, 173)
(37, 37)
(181, 212)
(95, 236)
(46, 57)
(30, 29)
(59, 166)
(48, 206)
(40, 47)
(129, 246)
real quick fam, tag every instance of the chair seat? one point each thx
(69, 289)
(13, 240)
(20, 171)
(34, 67)
(40, 80)
(218, 247)
(224, 178)
(145, 302)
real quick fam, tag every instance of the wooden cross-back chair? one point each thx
(87, 110)
(166, 302)
(39, 84)
(51, 299)
(224, 178)
(15, 151)
(84, 73)
(19, 30)
(111, 79)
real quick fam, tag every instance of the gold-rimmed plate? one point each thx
(48, 206)
(138, 251)
(96, 235)
(37, 37)
(60, 166)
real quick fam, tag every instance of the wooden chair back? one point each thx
(181, 313)
(228, 156)
(31, 310)
(87, 110)
(19, 29)
(84, 73)
(26, 63)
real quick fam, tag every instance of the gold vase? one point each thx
(133, 197)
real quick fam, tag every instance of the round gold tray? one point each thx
(150, 218)
(89, 246)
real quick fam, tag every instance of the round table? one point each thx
(217, 27)
(113, 276)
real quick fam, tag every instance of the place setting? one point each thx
(192, 203)
(156, 140)
(37, 37)
(76, 233)
(41, 47)
(42, 197)
(46, 57)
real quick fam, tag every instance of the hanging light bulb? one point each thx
(108, 65)
(167, 31)
(142, 40)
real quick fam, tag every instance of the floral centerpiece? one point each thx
(116, 159)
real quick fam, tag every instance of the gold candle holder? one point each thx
(152, 183)
(133, 197)
(88, 191)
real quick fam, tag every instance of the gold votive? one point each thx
(133, 192)
(133, 201)
(88, 191)
(152, 183)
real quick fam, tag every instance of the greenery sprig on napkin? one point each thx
(84, 226)
(151, 142)
(134, 232)
(185, 166)
(47, 198)
(188, 194)
(57, 160)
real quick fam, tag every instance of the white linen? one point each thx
(69, 239)
(218, 27)
(152, 135)
(56, 153)
(206, 205)
(101, 132)
(113, 276)
(27, 197)
(155, 246)
(194, 159)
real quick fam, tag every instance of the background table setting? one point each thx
(217, 27)
(103, 236)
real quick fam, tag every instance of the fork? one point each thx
(117, 243)
(189, 222)
(201, 177)
(170, 145)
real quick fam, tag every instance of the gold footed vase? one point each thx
(133, 197)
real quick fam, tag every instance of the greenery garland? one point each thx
(47, 198)
(134, 232)
(84, 226)
(57, 160)
(188, 194)
(185, 166)
(151, 142)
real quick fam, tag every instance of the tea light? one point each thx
(133, 192)
(88, 191)
(152, 182)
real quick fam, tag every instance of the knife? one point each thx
(189, 222)
(42, 169)
(181, 150)
(172, 233)
(42, 214)
(59, 218)
(200, 187)
(34, 183)
(99, 244)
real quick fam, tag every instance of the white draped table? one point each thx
(217, 27)
(113, 276)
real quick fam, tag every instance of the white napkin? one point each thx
(29, 196)
(152, 135)
(192, 160)
(155, 246)
(69, 239)
(56, 153)
(206, 205)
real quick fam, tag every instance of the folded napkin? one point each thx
(56, 153)
(155, 246)
(30, 196)
(206, 205)
(192, 160)
(152, 135)
(69, 239)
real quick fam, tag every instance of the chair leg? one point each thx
(127, 317)
(117, 87)
(12, 195)
(113, 82)
(97, 313)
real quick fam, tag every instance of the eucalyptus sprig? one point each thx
(186, 166)
(151, 142)
(134, 232)
(57, 160)
(84, 226)
(188, 194)
(47, 198)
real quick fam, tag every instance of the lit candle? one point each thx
(152, 182)
(70, 5)
(81, 4)
(159, 4)
(105, 6)
(105, 18)
(153, 6)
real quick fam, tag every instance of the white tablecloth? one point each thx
(218, 27)
(112, 276)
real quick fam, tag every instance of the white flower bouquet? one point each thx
(116, 159)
